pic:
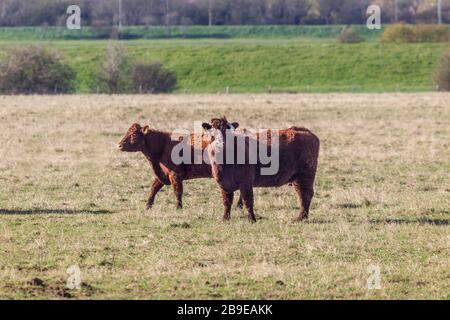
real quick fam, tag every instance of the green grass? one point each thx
(252, 65)
(68, 197)
(250, 58)
(162, 32)
(284, 65)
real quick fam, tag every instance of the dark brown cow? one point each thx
(157, 148)
(298, 154)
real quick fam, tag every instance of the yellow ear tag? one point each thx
(146, 130)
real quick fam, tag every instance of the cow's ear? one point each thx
(145, 129)
(235, 125)
(206, 126)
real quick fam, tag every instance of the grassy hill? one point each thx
(254, 66)
(250, 58)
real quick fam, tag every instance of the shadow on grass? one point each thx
(318, 221)
(430, 221)
(52, 211)
(399, 221)
(349, 206)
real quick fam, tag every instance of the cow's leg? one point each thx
(304, 186)
(177, 185)
(227, 198)
(156, 186)
(247, 196)
(240, 204)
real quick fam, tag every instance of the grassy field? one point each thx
(254, 65)
(67, 197)
(186, 32)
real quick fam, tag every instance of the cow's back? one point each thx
(298, 153)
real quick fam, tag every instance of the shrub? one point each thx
(113, 71)
(419, 33)
(153, 78)
(443, 73)
(348, 35)
(432, 33)
(32, 69)
(398, 33)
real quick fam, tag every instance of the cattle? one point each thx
(298, 150)
(157, 147)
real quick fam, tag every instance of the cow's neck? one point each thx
(217, 169)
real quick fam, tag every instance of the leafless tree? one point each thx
(112, 69)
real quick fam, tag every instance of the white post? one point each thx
(439, 11)
(120, 14)
(210, 13)
(396, 10)
(167, 13)
(168, 17)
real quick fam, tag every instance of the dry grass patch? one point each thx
(67, 197)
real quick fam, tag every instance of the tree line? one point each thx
(100, 13)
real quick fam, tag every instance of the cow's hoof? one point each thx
(148, 206)
(301, 219)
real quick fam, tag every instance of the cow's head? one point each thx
(218, 128)
(221, 123)
(134, 139)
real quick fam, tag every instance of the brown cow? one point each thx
(298, 154)
(157, 147)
